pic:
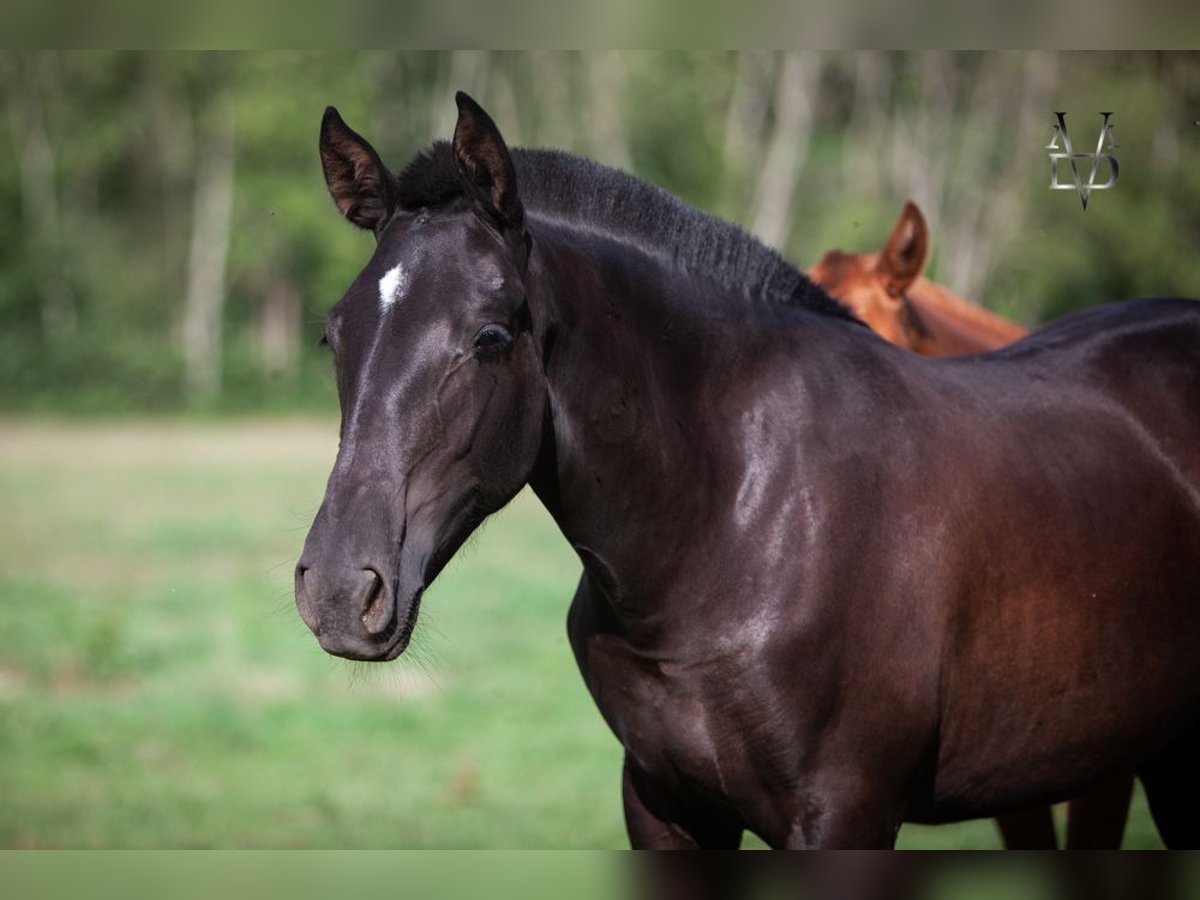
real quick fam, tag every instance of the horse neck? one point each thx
(953, 324)
(626, 371)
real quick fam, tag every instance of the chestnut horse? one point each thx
(829, 585)
(887, 291)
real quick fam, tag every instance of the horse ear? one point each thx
(484, 163)
(360, 184)
(907, 248)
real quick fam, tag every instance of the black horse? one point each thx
(828, 585)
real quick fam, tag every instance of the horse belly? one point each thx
(1080, 664)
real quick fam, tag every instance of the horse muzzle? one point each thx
(355, 611)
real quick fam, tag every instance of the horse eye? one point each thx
(493, 337)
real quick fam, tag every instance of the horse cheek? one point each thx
(463, 403)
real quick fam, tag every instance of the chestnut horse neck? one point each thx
(943, 323)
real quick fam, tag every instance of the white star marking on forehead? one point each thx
(393, 283)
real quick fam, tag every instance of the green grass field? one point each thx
(158, 689)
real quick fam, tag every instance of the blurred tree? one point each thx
(796, 85)
(166, 239)
(212, 215)
(30, 82)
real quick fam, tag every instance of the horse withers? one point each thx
(888, 291)
(829, 585)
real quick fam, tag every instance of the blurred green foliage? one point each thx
(158, 689)
(99, 186)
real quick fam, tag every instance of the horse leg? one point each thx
(708, 876)
(1096, 820)
(655, 821)
(1172, 783)
(1028, 829)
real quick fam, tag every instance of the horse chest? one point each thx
(666, 720)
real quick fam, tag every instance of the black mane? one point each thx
(580, 192)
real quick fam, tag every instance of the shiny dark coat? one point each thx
(828, 585)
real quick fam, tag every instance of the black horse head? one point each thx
(440, 383)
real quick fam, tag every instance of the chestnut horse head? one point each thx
(887, 291)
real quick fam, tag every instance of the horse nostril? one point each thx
(370, 585)
(304, 601)
(299, 582)
(376, 603)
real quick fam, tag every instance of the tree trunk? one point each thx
(204, 299)
(36, 164)
(607, 141)
(552, 90)
(467, 71)
(279, 327)
(745, 121)
(786, 149)
(867, 126)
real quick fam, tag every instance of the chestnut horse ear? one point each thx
(484, 163)
(904, 255)
(360, 184)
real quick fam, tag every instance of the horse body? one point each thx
(883, 603)
(791, 626)
(1089, 611)
(886, 290)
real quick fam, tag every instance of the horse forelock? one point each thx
(430, 180)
